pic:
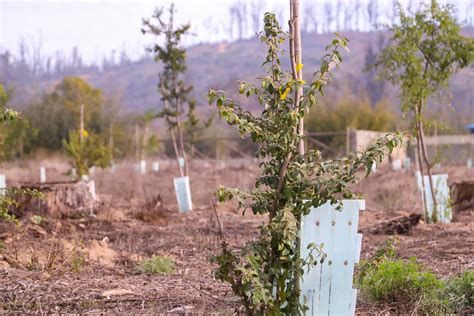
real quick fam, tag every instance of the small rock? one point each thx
(42, 276)
(4, 265)
(37, 231)
(181, 309)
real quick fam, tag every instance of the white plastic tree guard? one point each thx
(42, 174)
(3, 184)
(143, 167)
(155, 167)
(407, 163)
(183, 194)
(469, 163)
(327, 288)
(396, 165)
(440, 183)
(374, 167)
(181, 162)
(91, 186)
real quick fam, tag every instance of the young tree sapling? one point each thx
(426, 49)
(266, 272)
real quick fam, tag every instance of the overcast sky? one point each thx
(99, 26)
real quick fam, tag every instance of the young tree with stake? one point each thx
(266, 272)
(86, 148)
(425, 51)
(175, 93)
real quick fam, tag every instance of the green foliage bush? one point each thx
(156, 265)
(10, 199)
(354, 112)
(12, 131)
(9, 196)
(402, 283)
(5, 113)
(47, 122)
(404, 286)
(459, 293)
(59, 112)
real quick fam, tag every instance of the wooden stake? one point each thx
(295, 17)
(81, 128)
(298, 73)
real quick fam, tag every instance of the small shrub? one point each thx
(10, 199)
(78, 262)
(34, 263)
(37, 219)
(403, 283)
(459, 293)
(156, 265)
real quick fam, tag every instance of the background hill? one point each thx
(220, 66)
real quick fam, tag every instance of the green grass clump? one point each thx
(402, 282)
(405, 287)
(459, 293)
(156, 265)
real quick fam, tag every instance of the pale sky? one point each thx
(97, 27)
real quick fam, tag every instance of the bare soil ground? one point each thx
(87, 265)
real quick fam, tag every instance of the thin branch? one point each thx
(221, 230)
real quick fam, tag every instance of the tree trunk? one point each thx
(422, 175)
(60, 199)
(462, 195)
(180, 138)
(434, 215)
(173, 138)
(176, 152)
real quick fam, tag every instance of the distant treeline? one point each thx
(243, 21)
(47, 122)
